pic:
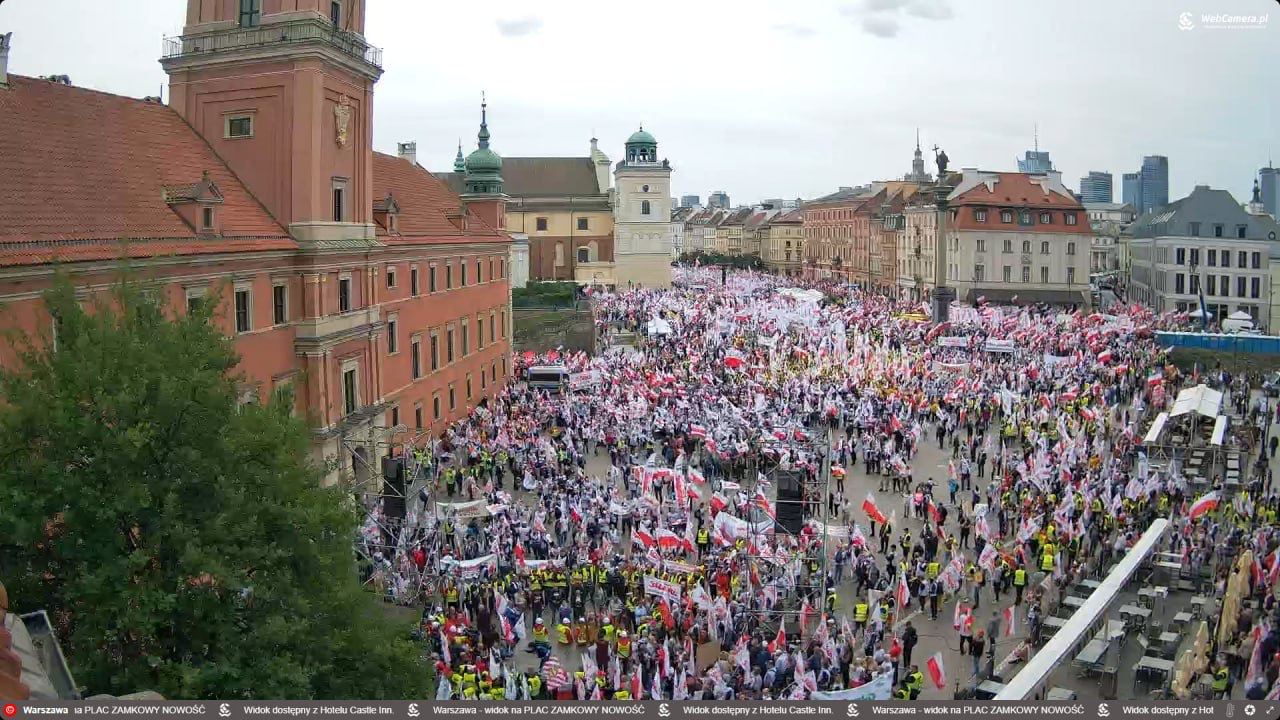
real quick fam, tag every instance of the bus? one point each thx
(547, 377)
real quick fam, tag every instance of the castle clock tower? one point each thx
(643, 239)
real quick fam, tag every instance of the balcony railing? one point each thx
(292, 32)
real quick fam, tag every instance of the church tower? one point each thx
(483, 196)
(284, 93)
(643, 239)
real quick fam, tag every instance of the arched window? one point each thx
(644, 207)
(559, 254)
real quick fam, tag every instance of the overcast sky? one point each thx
(773, 98)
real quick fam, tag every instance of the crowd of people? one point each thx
(619, 538)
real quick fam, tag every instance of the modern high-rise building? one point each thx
(718, 199)
(690, 201)
(1036, 161)
(1096, 187)
(1131, 190)
(1269, 180)
(1155, 182)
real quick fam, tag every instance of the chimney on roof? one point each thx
(408, 151)
(5, 41)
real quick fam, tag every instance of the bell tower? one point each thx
(643, 239)
(283, 91)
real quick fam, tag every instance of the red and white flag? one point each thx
(697, 431)
(872, 511)
(902, 594)
(779, 642)
(1010, 621)
(937, 672)
(642, 538)
(764, 504)
(696, 477)
(1205, 503)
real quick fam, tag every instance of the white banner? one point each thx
(999, 346)
(880, 688)
(661, 588)
(679, 567)
(463, 510)
(953, 342)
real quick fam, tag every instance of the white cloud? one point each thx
(881, 25)
(519, 26)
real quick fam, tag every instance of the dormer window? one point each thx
(196, 203)
(386, 212)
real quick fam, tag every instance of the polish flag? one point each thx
(1105, 356)
(668, 540)
(937, 673)
(1155, 378)
(519, 552)
(764, 504)
(778, 642)
(718, 503)
(642, 538)
(697, 477)
(1010, 621)
(857, 539)
(573, 513)
(1205, 503)
(636, 686)
(444, 648)
(873, 512)
(902, 594)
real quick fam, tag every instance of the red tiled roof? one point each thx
(1017, 190)
(425, 203)
(81, 171)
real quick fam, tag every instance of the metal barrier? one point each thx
(1084, 623)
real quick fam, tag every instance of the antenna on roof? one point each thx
(1036, 134)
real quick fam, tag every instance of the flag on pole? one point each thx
(872, 511)
(780, 641)
(1010, 621)
(1205, 503)
(937, 673)
(902, 594)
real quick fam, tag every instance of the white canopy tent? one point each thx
(1200, 399)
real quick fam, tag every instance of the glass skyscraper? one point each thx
(1155, 182)
(1096, 187)
(1269, 182)
(1131, 190)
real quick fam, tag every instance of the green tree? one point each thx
(182, 543)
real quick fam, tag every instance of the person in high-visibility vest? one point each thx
(1019, 582)
(563, 633)
(903, 692)
(915, 681)
(1046, 562)
(860, 614)
(933, 569)
(1221, 680)
(623, 694)
(535, 687)
(704, 540)
(832, 599)
(580, 634)
(624, 645)
(608, 630)
(540, 643)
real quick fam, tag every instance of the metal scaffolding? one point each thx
(777, 461)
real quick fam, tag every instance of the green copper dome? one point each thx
(483, 166)
(483, 160)
(642, 137)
